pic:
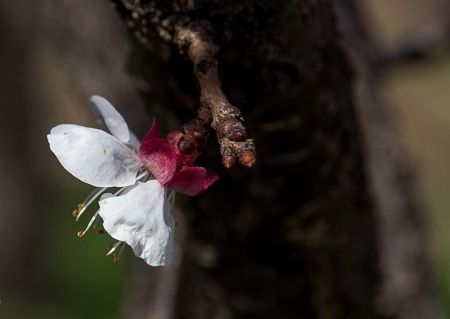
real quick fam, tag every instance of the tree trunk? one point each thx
(323, 226)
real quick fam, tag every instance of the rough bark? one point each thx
(305, 233)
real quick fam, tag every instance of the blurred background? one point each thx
(58, 53)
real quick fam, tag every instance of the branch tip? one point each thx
(215, 110)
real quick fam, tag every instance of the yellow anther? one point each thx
(116, 258)
(76, 211)
(80, 234)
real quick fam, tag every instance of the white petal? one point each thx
(93, 156)
(134, 141)
(142, 219)
(108, 115)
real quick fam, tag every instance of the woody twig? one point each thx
(215, 109)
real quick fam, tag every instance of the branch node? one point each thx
(196, 41)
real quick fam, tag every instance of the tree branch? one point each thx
(226, 118)
(171, 23)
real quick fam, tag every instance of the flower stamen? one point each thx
(88, 201)
(114, 247)
(143, 175)
(77, 210)
(120, 191)
(91, 222)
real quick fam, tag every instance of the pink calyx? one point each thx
(171, 161)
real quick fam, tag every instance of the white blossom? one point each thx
(138, 213)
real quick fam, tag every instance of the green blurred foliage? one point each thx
(78, 279)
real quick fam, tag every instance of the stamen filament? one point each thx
(77, 209)
(93, 219)
(88, 201)
(144, 174)
(114, 247)
(120, 191)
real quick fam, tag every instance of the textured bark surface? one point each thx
(296, 236)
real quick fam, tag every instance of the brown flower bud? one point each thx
(247, 158)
